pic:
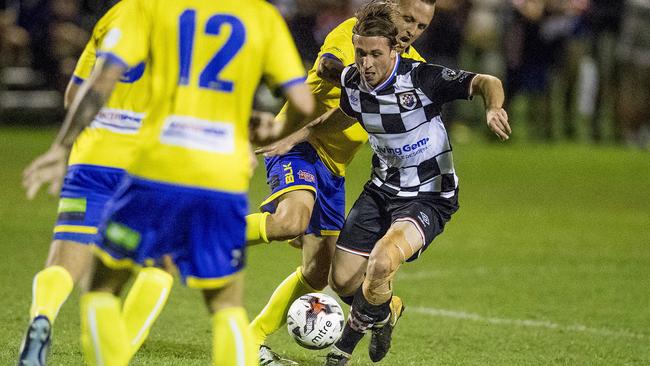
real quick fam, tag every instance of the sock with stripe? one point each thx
(143, 304)
(363, 315)
(232, 341)
(50, 289)
(274, 314)
(103, 334)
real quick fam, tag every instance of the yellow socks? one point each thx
(274, 314)
(50, 289)
(232, 342)
(103, 334)
(256, 228)
(143, 304)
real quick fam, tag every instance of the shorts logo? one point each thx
(424, 218)
(237, 258)
(306, 176)
(408, 100)
(123, 236)
(288, 173)
(72, 209)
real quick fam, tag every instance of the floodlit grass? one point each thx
(546, 263)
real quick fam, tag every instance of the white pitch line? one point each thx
(525, 323)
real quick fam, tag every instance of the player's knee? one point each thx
(384, 260)
(316, 273)
(342, 285)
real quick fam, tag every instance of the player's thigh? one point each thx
(347, 272)
(296, 204)
(229, 295)
(75, 257)
(107, 279)
(405, 236)
(317, 253)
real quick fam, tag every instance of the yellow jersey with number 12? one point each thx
(206, 60)
(337, 148)
(111, 139)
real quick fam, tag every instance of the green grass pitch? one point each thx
(546, 263)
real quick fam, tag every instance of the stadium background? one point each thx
(548, 259)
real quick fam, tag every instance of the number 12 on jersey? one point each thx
(209, 76)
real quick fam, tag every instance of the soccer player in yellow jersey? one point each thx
(185, 194)
(307, 183)
(95, 168)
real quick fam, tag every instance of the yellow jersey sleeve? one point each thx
(288, 69)
(338, 43)
(85, 63)
(127, 42)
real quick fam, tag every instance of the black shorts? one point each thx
(375, 211)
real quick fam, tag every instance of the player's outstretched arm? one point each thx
(491, 89)
(49, 168)
(300, 107)
(334, 119)
(330, 69)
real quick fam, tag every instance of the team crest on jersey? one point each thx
(408, 100)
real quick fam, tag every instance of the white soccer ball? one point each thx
(315, 321)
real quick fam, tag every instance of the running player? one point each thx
(307, 183)
(185, 194)
(96, 166)
(413, 190)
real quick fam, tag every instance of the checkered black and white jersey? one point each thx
(412, 153)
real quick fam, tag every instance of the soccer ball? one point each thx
(315, 321)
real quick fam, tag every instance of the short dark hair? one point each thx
(375, 19)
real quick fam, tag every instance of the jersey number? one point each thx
(209, 77)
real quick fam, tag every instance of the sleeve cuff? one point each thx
(113, 59)
(292, 82)
(330, 55)
(77, 80)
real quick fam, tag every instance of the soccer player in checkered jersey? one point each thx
(413, 190)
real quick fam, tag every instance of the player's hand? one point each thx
(48, 168)
(497, 121)
(253, 160)
(263, 127)
(279, 147)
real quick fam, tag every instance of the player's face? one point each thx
(413, 18)
(374, 58)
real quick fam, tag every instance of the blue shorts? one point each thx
(203, 231)
(85, 192)
(301, 168)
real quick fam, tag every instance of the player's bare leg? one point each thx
(230, 325)
(289, 220)
(371, 309)
(67, 264)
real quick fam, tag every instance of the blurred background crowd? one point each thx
(576, 70)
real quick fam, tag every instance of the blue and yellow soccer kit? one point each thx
(319, 165)
(186, 191)
(102, 151)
